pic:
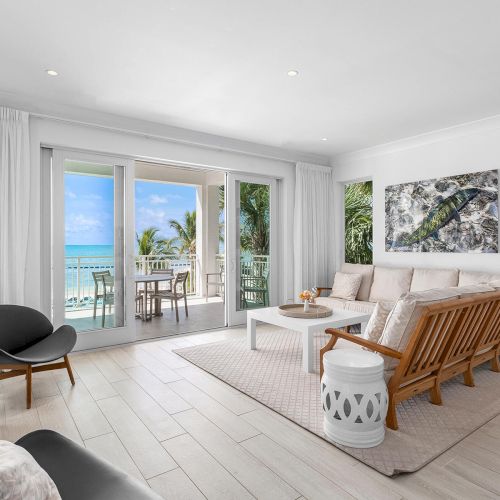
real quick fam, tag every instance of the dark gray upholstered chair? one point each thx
(78, 473)
(28, 338)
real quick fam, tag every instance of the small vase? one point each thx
(306, 306)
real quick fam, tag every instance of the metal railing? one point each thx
(79, 289)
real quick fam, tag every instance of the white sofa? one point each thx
(386, 284)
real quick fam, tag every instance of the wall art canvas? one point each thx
(450, 214)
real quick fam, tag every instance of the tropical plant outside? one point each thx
(150, 243)
(358, 223)
(186, 232)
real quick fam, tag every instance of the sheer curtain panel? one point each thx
(314, 252)
(14, 203)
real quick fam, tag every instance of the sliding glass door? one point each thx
(89, 244)
(251, 245)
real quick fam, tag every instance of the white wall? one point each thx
(467, 148)
(57, 133)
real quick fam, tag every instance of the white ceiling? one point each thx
(371, 71)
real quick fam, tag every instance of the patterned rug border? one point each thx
(185, 351)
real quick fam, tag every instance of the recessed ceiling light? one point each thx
(293, 72)
(51, 72)
(324, 138)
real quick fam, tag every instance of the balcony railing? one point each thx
(80, 282)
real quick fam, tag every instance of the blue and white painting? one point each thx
(450, 214)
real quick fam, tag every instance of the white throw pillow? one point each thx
(427, 279)
(21, 477)
(376, 324)
(366, 271)
(404, 318)
(389, 283)
(346, 286)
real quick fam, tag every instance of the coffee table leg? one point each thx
(307, 352)
(251, 333)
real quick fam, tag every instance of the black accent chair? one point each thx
(78, 473)
(28, 339)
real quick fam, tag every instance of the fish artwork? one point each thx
(454, 214)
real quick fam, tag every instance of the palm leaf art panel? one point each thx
(450, 214)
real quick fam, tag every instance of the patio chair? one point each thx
(177, 293)
(103, 280)
(27, 338)
(255, 290)
(217, 280)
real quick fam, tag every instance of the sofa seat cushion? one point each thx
(426, 279)
(404, 317)
(389, 283)
(359, 306)
(366, 272)
(330, 302)
(346, 286)
(473, 278)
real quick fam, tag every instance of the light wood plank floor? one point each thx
(189, 435)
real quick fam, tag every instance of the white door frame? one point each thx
(108, 336)
(232, 242)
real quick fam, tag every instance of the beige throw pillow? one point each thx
(404, 318)
(389, 283)
(376, 324)
(22, 477)
(366, 271)
(346, 286)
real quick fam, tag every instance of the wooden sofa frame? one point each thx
(450, 339)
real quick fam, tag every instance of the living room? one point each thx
(354, 348)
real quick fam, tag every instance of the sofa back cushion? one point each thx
(404, 317)
(346, 286)
(474, 278)
(366, 271)
(389, 283)
(427, 279)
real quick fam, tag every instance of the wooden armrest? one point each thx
(382, 349)
(320, 290)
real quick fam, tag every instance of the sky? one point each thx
(89, 210)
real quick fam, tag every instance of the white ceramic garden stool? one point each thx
(354, 397)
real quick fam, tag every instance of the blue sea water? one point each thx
(89, 250)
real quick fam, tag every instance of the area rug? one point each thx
(273, 375)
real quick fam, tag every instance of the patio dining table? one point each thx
(151, 278)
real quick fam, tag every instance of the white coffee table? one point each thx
(307, 327)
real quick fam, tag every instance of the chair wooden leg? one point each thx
(70, 371)
(469, 377)
(29, 372)
(392, 417)
(495, 364)
(435, 393)
(176, 311)
(186, 306)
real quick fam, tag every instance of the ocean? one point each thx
(89, 250)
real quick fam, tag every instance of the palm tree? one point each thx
(254, 218)
(149, 243)
(186, 232)
(358, 223)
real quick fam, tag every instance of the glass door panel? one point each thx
(251, 228)
(88, 206)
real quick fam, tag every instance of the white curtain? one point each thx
(314, 251)
(14, 204)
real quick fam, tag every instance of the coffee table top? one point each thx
(338, 319)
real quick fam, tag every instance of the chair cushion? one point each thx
(404, 317)
(375, 326)
(473, 278)
(470, 290)
(389, 283)
(495, 284)
(21, 477)
(366, 271)
(426, 279)
(78, 473)
(346, 286)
